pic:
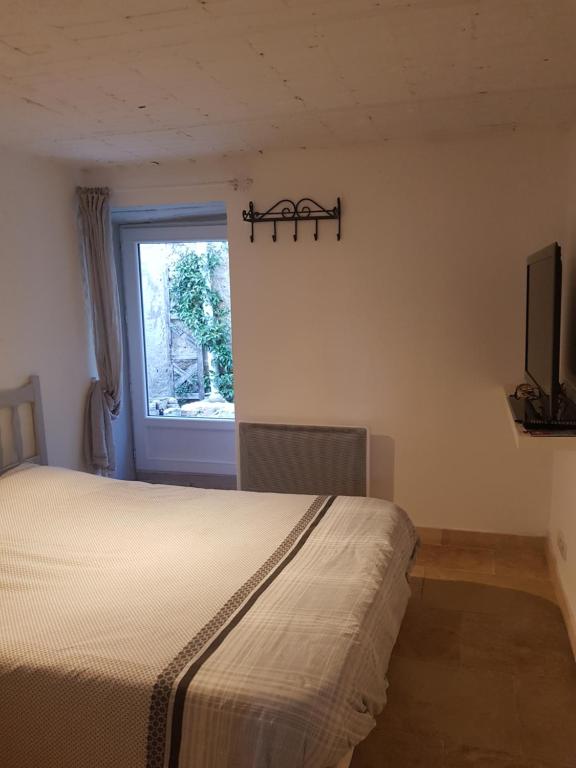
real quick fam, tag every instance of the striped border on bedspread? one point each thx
(165, 721)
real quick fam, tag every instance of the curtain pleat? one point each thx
(103, 402)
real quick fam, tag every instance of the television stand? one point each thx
(530, 414)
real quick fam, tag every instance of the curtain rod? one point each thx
(236, 184)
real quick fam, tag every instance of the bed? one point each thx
(164, 627)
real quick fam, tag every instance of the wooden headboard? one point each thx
(21, 446)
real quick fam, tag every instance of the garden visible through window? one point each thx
(187, 332)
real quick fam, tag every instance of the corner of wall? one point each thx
(563, 497)
(561, 595)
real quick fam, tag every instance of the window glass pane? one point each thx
(187, 333)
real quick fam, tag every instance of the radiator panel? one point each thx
(288, 458)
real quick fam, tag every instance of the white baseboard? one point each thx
(561, 596)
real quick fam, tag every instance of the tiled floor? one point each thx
(482, 673)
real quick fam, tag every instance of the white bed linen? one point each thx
(281, 610)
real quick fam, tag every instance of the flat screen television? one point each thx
(542, 355)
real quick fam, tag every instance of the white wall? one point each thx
(563, 504)
(563, 519)
(42, 321)
(411, 325)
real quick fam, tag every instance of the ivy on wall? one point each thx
(200, 306)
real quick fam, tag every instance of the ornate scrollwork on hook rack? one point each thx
(305, 209)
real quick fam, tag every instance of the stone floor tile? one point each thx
(547, 710)
(481, 676)
(483, 643)
(430, 535)
(457, 558)
(523, 584)
(430, 633)
(516, 642)
(466, 596)
(391, 748)
(505, 580)
(472, 757)
(522, 562)
(416, 583)
(492, 540)
(451, 702)
(417, 571)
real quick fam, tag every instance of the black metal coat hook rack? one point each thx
(305, 209)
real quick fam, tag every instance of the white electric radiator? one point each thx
(289, 458)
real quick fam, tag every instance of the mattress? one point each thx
(148, 626)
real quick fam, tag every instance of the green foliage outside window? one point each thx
(203, 310)
(187, 389)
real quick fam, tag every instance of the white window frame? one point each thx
(222, 430)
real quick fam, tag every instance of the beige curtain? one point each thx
(103, 402)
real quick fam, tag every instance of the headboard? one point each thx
(20, 441)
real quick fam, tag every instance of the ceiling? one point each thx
(151, 80)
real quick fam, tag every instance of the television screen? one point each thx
(543, 323)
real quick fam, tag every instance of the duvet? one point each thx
(147, 626)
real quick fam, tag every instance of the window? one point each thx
(185, 298)
(177, 299)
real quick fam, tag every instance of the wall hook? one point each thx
(304, 209)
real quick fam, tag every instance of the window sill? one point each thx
(176, 422)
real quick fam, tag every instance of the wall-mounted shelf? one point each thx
(561, 440)
(286, 210)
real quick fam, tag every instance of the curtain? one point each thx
(103, 403)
